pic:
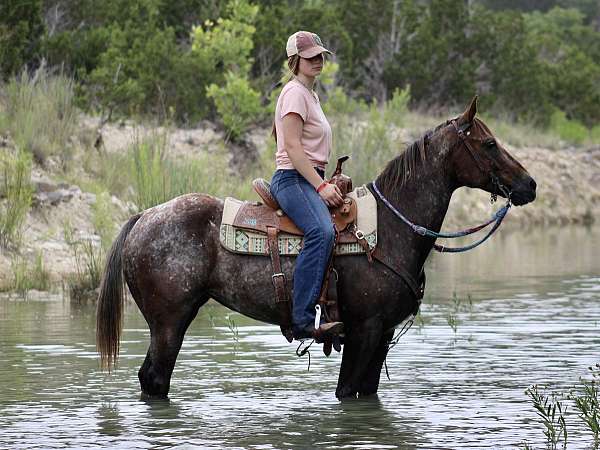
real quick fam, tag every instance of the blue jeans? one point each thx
(301, 202)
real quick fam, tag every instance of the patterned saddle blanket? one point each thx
(241, 233)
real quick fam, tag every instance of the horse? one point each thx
(172, 261)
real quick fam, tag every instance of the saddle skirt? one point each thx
(243, 227)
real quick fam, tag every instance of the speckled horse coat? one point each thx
(173, 262)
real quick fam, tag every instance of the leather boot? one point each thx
(327, 329)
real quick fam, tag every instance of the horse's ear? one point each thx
(471, 110)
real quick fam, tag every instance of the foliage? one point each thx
(568, 130)
(40, 114)
(152, 57)
(15, 196)
(225, 48)
(587, 402)
(237, 103)
(547, 407)
(21, 29)
(226, 45)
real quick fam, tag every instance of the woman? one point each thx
(303, 138)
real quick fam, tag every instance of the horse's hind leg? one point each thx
(167, 329)
(361, 342)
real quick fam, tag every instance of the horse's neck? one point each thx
(424, 201)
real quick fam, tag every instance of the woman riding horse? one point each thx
(173, 262)
(303, 137)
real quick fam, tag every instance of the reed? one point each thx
(15, 196)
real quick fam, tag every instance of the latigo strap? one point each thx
(281, 297)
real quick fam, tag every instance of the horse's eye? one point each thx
(490, 143)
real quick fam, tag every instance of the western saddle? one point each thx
(270, 219)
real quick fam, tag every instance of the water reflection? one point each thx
(534, 318)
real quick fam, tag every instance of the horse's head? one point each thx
(478, 160)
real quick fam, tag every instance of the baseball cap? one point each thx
(305, 44)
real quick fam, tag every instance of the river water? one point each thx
(525, 309)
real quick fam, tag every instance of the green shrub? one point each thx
(15, 196)
(595, 134)
(397, 106)
(568, 130)
(40, 114)
(237, 103)
(226, 45)
(21, 30)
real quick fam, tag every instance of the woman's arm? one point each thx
(292, 134)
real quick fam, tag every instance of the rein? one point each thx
(497, 218)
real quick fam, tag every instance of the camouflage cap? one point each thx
(305, 44)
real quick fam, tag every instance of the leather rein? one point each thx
(497, 217)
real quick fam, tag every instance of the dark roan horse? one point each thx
(173, 262)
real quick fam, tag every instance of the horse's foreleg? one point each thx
(361, 342)
(370, 382)
(166, 336)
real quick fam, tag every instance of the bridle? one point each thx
(497, 217)
(463, 135)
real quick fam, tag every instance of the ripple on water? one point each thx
(447, 389)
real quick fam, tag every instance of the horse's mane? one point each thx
(400, 169)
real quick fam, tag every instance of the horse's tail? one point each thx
(109, 313)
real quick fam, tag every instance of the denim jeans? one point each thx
(301, 202)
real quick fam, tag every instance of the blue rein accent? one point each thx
(420, 230)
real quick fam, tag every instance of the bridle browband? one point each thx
(497, 217)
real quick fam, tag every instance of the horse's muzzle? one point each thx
(523, 192)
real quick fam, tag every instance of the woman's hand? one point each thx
(331, 195)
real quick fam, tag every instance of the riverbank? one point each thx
(80, 205)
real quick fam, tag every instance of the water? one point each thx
(534, 317)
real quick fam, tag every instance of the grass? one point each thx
(89, 262)
(38, 112)
(26, 276)
(15, 196)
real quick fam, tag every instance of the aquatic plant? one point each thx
(587, 403)
(551, 411)
(452, 316)
(233, 329)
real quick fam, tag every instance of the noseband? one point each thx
(497, 218)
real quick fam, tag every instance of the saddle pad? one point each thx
(242, 240)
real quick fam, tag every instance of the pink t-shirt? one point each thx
(316, 132)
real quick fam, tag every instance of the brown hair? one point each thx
(294, 65)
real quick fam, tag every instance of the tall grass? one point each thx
(15, 196)
(368, 133)
(157, 178)
(89, 261)
(39, 113)
(26, 276)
